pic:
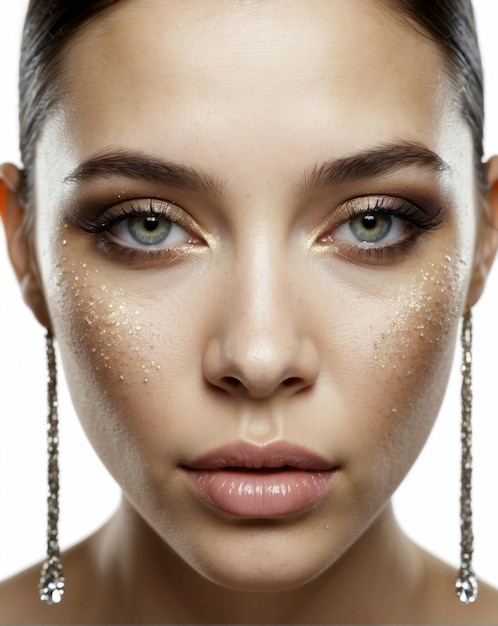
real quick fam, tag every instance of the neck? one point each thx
(376, 580)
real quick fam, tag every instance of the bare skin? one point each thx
(422, 593)
(262, 317)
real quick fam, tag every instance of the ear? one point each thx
(487, 236)
(20, 250)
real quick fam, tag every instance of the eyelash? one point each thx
(363, 252)
(112, 217)
(371, 253)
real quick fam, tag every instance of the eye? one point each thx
(371, 228)
(142, 231)
(150, 230)
(374, 229)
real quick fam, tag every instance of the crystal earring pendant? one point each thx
(466, 583)
(52, 576)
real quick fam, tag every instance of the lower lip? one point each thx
(259, 493)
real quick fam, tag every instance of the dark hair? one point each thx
(51, 24)
(451, 25)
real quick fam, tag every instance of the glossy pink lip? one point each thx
(272, 480)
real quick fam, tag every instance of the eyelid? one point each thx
(101, 221)
(417, 219)
(425, 216)
(98, 223)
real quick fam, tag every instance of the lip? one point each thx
(250, 480)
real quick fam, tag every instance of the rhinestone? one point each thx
(52, 592)
(466, 589)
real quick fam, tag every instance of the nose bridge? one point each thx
(260, 324)
(261, 290)
(262, 344)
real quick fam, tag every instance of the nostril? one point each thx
(232, 381)
(292, 381)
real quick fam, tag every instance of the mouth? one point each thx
(273, 480)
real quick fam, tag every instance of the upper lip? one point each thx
(276, 454)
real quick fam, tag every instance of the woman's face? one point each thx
(319, 178)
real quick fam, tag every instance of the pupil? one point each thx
(369, 221)
(150, 223)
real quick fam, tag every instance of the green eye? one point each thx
(150, 230)
(371, 228)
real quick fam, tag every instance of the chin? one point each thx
(262, 580)
(261, 570)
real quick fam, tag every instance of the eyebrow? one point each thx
(366, 164)
(372, 162)
(138, 165)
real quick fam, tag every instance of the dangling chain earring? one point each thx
(466, 583)
(52, 576)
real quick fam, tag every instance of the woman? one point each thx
(253, 229)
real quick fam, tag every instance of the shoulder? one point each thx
(20, 598)
(486, 605)
(449, 610)
(483, 611)
(20, 602)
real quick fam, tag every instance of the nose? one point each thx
(264, 342)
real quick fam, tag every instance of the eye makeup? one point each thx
(138, 230)
(378, 229)
(370, 229)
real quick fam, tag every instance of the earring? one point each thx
(466, 583)
(52, 576)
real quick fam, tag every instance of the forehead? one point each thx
(150, 72)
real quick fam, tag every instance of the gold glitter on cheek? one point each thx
(412, 330)
(101, 320)
(419, 328)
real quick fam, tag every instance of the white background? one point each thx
(426, 504)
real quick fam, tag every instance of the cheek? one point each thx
(131, 351)
(406, 364)
(108, 339)
(103, 328)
